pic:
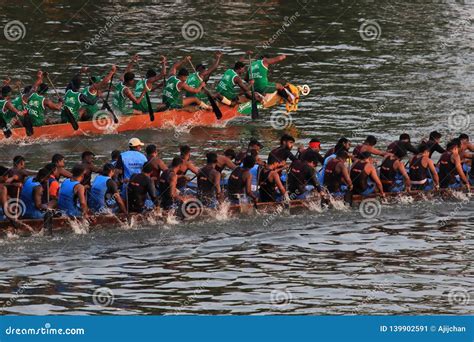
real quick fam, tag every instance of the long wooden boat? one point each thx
(139, 121)
(62, 224)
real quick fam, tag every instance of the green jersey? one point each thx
(194, 81)
(36, 109)
(143, 105)
(18, 104)
(226, 86)
(73, 102)
(171, 94)
(90, 109)
(121, 102)
(3, 108)
(259, 73)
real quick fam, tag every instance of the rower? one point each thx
(302, 178)
(253, 145)
(60, 162)
(269, 182)
(362, 171)
(228, 86)
(131, 161)
(226, 160)
(93, 92)
(202, 74)
(104, 194)
(51, 186)
(239, 186)
(209, 182)
(3, 190)
(259, 73)
(176, 85)
(313, 147)
(343, 142)
(72, 194)
(74, 99)
(169, 194)
(282, 153)
(38, 103)
(21, 101)
(451, 173)
(336, 177)
(392, 171)
(466, 145)
(124, 97)
(31, 195)
(152, 81)
(114, 157)
(187, 165)
(87, 160)
(404, 141)
(368, 146)
(433, 143)
(19, 173)
(158, 165)
(422, 170)
(141, 193)
(8, 112)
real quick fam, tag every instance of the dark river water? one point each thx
(374, 67)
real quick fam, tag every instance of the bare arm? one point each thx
(183, 85)
(128, 93)
(81, 194)
(120, 202)
(373, 174)
(53, 106)
(10, 107)
(278, 182)
(129, 66)
(434, 174)
(105, 81)
(205, 74)
(178, 65)
(38, 192)
(274, 60)
(160, 163)
(401, 168)
(460, 171)
(345, 175)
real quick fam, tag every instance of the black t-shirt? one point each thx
(139, 186)
(280, 154)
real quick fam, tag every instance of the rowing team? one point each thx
(134, 182)
(180, 89)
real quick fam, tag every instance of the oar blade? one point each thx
(150, 109)
(255, 113)
(72, 120)
(28, 125)
(111, 111)
(215, 107)
(7, 132)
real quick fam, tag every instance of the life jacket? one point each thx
(418, 173)
(27, 196)
(297, 177)
(267, 188)
(67, 199)
(447, 170)
(388, 173)
(133, 162)
(357, 151)
(165, 189)
(236, 185)
(332, 179)
(97, 193)
(206, 188)
(359, 177)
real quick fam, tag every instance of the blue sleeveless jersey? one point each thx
(27, 196)
(97, 193)
(66, 199)
(133, 162)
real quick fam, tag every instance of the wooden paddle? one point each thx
(147, 97)
(105, 102)
(7, 132)
(72, 120)
(215, 107)
(254, 100)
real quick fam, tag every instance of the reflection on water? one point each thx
(411, 79)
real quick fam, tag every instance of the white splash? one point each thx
(79, 227)
(405, 199)
(222, 213)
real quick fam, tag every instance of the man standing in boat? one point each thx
(176, 85)
(131, 161)
(202, 74)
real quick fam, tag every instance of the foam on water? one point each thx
(80, 227)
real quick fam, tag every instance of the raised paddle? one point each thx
(105, 102)
(72, 120)
(252, 88)
(147, 97)
(215, 107)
